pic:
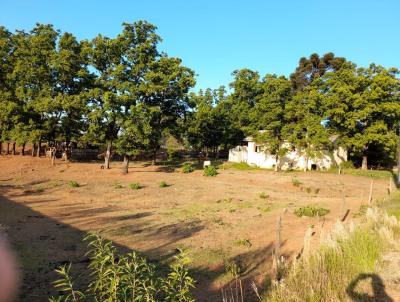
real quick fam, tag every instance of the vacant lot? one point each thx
(218, 220)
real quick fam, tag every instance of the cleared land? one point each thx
(218, 220)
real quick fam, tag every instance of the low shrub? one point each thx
(173, 155)
(135, 186)
(125, 277)
(263, 195)
(163, 184)
(187, 168)
(73, 184)
(210, 171)
(311, 211)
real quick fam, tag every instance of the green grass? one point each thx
(241, 166)
(377, 174)
(311, 211)
(135, 186)
(163, 184)
(326, 275)
(73, 184)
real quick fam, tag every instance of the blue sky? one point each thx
(216, 37)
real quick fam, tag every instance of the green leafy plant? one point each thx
(73, 184)
(210, 171)
(311, 211)
(244, 242)
(163, 184)
(135, 186)
(187, 168)
(117, 278)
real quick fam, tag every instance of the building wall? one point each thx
(292, 159)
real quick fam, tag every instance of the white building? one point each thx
(256, 154)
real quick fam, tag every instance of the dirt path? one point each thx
(217, 220)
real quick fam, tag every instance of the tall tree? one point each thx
(268, 115)
(314, 67)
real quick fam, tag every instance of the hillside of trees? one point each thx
(124, 95)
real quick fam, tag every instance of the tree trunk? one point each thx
(364, 165)
(107, 156)
(125, 164)
(23, 149)
(154, 157)
(277, 165)
(306, 165)
(38, 148)
(33, 149)
(8, 148)
(13, 149)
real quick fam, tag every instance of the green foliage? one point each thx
(135, 186)
(210, 171)
(347, 165)
(263, 195)
(243, 242)
(73, 184)
(311, 211)
(173, 155)
(163, 184)
(121, 278)
(187, 168)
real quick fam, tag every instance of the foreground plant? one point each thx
(125, 278)
(210, 171)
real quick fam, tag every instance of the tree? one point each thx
(363, 107)
(268, 115)
(33, 75)
(72, 81)
(304, 128)
(137, 132)
(314, 67)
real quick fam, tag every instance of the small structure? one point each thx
(257, 155)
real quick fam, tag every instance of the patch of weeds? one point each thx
(73, 184)
(316, 190)
(210, 171)
(361, 211)
(311, 211)
(232, 210)
(135, 186)
(163, 184)
(118, 186)
(218, 221)
(265, 210)
(308, 190)
(244, 242)
(233, 268)
(296, 182)
(187, 168)
(263, 195)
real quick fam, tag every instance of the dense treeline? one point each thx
(124, 94)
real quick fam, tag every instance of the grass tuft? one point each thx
(73, 184)
(163, 184)
(135, 186)
(311, 211)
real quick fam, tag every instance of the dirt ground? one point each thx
(218, 220)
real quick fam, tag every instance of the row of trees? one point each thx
(121, 92)
(124, 94)
(326, 97)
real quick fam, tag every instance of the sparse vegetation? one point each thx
(135, 186)
(243, 242)
(73, 184)
(311, 211)
(346, 257)
(296, 182)
(163, 184)
(125, 277)
(210, 171)
(187, 168)
(263, 195)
